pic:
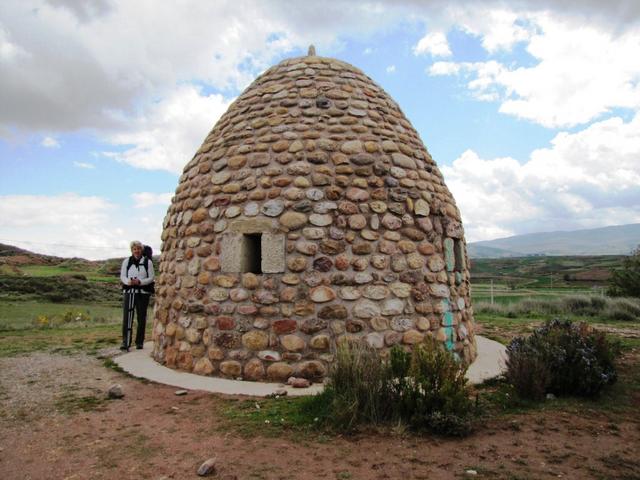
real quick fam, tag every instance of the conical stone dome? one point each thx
(311, 214)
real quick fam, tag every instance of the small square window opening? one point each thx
(251, 260)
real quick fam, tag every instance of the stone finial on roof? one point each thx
(312, 51)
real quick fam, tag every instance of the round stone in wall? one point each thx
(272, 208)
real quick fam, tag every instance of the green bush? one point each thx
(598, 304)
(432, 393)
(425, 389)
(625, 282)
(358, 385)
(562, 358)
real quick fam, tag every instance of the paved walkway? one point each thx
(489, 364)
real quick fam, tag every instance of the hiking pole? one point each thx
(131, 305)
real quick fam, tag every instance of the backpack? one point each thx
(147, 253)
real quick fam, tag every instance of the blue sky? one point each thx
(530, 112)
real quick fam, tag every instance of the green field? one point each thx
(503, 293)
(546, 272)
(16, 315)
(57, 270)
(39, 326)
(509, 280)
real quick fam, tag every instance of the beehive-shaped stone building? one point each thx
(312, 213)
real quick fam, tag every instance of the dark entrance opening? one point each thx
(252, 253)
(459, 255)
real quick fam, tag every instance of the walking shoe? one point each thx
(138, 347)
(124, 348)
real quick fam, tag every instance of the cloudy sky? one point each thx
(531, 110)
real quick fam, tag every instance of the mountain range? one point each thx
(614, 240)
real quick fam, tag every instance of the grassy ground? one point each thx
(18, 315)
(55, 270)
(503, 329)
(98, 327)
(88, 338)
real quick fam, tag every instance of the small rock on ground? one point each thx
(115, 391)
(297, 382)
(208, 467)
(181, 392)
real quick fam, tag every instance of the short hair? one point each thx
(135, 243)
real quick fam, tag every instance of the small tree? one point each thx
(625, 282)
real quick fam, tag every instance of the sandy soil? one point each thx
(152, 433)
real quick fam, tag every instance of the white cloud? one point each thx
(91, 64)
(69, 208)
(434, 44)
(391, 69)
(581, 73)
(484, 84)
(583, 180)
(72, 65)
(85, 165)
(444, 68)
(498, 29)
(169, 133)
(105, 64)
(8, 51)
(50, 142)
(148, 199)
(72, 225)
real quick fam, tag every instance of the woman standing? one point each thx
(137, 278)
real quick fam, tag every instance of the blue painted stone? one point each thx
(448, 324)
(449, 342)
(448, 319)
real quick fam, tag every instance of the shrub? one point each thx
(71, 316)
(625, 282)
(562, 358)
(628, 305)
(598, 304)
(433, 393)
(527, 369)
(358, 384)
(52, 321)
(617, 313)
(578, 304)
(425, 388)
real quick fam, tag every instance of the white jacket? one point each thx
(138, 272)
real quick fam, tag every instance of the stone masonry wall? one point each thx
(359, 236)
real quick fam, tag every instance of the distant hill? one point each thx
(13, 260)
(11, 255)
(615, 240)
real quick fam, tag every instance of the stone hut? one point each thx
(311, 214)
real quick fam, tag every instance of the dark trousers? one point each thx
(134, 300)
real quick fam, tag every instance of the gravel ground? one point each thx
(32, 385)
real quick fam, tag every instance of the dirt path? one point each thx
(152, 433)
